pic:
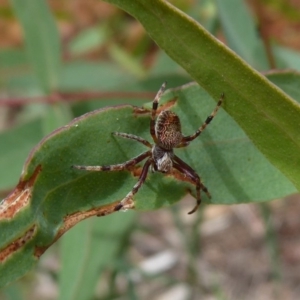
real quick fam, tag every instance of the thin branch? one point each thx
(74, 97)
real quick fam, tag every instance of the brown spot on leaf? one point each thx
(19, 197)
(140, 110)
(17, 244)
(73, 219)
(136, 171)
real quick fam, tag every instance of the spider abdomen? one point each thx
(168, 129)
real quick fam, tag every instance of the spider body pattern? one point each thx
(166, 134)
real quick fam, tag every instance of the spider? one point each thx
(166, 134)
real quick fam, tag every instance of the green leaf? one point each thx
(86, 250)
(287, 58)
(268, 116)
(58, 114)
(164, 65)
(15, 146)
(11, 58)
(229, 164)
(288, 81)
(242, 33)
(42, 40)
(82, 75)
(87, 40)
(13, 292)
(128, 62)
(76, 76)
(20, 84)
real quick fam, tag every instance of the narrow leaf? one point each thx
(86, 250)
(15, 146)
(288, 81)
(42, 40)
(241, 32)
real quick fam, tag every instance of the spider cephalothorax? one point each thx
(162, 159)
(166, 134)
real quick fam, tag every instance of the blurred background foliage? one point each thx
(106, 58)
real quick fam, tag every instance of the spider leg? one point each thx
(119, 167)
(133, 137)
(137, 186)
(184, 168)
(154, 109)
(185, 141)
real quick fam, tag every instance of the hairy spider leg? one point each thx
(118, 167)
(133, 137)
(184, 168)
(187, 139)
(139, 183)
(154, 109)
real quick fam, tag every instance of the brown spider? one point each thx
(166, 134)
